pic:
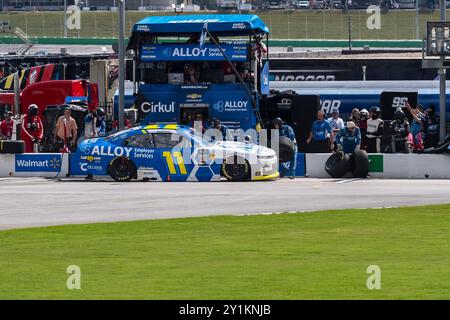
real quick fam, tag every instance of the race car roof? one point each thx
(186, 25)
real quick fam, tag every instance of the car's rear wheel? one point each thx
(122, 169)
(236, 168)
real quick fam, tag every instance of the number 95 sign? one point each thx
(399, 102)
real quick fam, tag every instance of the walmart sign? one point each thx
(38, 162)
(192, 52)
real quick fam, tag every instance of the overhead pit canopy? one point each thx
(186, 25)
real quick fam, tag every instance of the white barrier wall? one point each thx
(401, 166)
(49, 165)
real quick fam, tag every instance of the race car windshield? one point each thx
(119, 133)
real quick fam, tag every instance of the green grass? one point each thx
(315, 24)
(322, 255)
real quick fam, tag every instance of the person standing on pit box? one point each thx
(66, 132)
(363, 117)
(319, 137)
(337, 124)
(6, 127)
(32, 129)
(375, 128)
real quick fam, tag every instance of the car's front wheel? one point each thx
(236, 168)
(122, 169)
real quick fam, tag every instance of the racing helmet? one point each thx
(277, 121)
(399, 114)
(101, 112)
(364, 112)
(376, 111)
(33, 110)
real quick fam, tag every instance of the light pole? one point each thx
(442, 78)
(121, 110)
(417, 19)
(65, 18)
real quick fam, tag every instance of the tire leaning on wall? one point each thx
(337, 167)
(360, 161)
(286, 152)
(12, 147)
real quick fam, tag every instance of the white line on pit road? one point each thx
(348, 180)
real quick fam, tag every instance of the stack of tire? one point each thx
(12, 147)
(357, 163)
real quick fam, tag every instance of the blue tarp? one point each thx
(220, 24)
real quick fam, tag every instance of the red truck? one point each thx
(53, 92)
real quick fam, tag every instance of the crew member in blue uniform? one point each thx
(286, 168)
(349, 138)
(319, 137)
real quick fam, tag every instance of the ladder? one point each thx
(28, 43)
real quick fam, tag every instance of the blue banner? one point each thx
(193, 52)
(265, 88)
(38, 162)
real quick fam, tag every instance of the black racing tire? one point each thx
(12, 146)
(236, 168)
(360, 161)
(286, 153)
(337, 167)
(122, 169)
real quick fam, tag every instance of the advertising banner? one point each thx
(38, 162)
(193, 52)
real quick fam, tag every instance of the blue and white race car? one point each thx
(170, 152)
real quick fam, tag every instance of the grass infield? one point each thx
(320, 255)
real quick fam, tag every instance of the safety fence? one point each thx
(283, 24)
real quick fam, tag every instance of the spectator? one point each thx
(416, 127)
(363, 117)
(375, 127)
(431, 128)
(319, 137)
(224, 131)
(66, 132)
(31, 129)
(349, 138)
(337, 124)
(354, 116)
(94, 124)
(400, 132)
(7, 126)
(286, 131)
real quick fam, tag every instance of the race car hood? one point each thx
(244, 148)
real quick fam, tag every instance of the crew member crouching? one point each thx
(349, 138)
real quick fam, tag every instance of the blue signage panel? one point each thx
(227, 102)
(38, 162)
(193, 52)
(265, 87)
